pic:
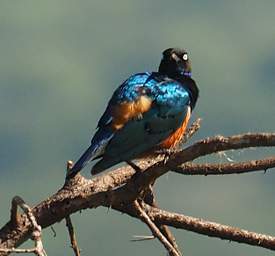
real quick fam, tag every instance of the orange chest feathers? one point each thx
(176, 137)
(126, 111)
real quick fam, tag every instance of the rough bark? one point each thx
(120, 188)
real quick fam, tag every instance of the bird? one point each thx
(149, 111)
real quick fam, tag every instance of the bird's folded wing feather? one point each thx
(142, 118)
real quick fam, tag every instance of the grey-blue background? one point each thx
(60, 62)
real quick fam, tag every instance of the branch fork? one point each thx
(131, 193)
(36, 234)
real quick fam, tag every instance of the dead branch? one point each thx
(226, 168)
(69, 223)
(204, 227)
(120, 188)
(151, 200)
(155, 230)
(73, 240)
(191, 131)
(211, 229)
(36, 229)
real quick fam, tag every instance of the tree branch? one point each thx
(70, 227)
(36, 229)
(155, 231)
(226, 168)
(69, 223)
(211, 229)
(122, 187)
(203, 227)
(151, 200)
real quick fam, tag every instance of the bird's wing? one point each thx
(126, 96)
(158, 112)
(128, 102)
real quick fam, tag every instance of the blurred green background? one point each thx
(60, 62)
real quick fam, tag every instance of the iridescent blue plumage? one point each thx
(158, 85)
(129, 89)
(154, 85)
(142, 113)
(171, 104)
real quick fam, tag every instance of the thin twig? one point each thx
(14, 250)
(225, 168)
(69, 223)
(211, 229)
(70, 227)
(156, 232)
(194, 127)
(170, 237)
(150, 199)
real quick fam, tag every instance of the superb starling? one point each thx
(147, 112)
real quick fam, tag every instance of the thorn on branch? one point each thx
(137, 238)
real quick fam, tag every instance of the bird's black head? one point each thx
(175, 62)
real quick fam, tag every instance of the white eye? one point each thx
(185, 56)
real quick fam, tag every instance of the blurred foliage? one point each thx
(60, 62)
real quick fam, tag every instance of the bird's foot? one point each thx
(149, 196)
(167, 152)
(138, 117)
(134, 166)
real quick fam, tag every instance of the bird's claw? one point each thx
(134, 166)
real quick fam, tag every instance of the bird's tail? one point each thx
(87, 156)
(98, 144)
